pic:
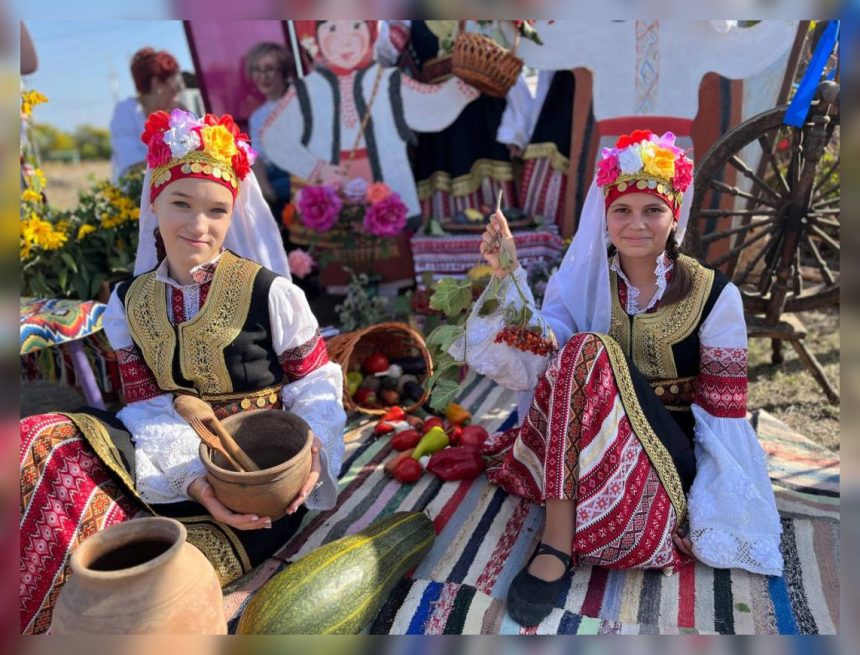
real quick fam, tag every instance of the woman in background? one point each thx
(158, 82)
(270, 66)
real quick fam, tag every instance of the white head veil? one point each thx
(253, 234)
(582, 281)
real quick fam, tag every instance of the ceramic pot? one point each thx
(140, 577)
(280, 444)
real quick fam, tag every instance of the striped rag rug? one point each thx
(484, 537)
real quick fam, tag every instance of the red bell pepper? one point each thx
(395, 413)
(408, 470)
(454, 433)
(458, 463)
(382, 428)
(473, 436)
(405, 440)
(392, 463)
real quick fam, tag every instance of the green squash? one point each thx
(340, 587)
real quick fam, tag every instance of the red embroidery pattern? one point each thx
(624, 515)
(722, 382)
(66, 495)
(138, 380)
(177, 305)
(415, 85)
(304, 359)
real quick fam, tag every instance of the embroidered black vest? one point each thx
(663, 344)
(225, 349)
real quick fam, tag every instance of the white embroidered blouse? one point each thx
(732, 510)
(166, 448)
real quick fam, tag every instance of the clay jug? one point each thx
(140, 577)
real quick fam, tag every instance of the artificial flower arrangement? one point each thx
(643, 159)
(353, 224)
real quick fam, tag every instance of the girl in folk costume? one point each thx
(200, 331)
(636, 437)
(351, 118)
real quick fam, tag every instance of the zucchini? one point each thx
(340, 587)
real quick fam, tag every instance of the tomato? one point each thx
(433, 421)
(375, 363)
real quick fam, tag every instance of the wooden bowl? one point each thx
(280, 444)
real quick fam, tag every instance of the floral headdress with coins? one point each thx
(181, 145)
(645, 162)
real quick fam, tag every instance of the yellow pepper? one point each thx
(433, 441)
(457, 414)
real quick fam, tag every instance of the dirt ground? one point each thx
(787, 391)
(66, 180)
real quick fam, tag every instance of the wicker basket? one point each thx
(392, 339)
(485, 64)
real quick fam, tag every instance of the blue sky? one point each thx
(76, 60)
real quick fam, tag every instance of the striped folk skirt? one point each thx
(76, 475)
(597, 434)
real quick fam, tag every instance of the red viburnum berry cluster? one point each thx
(524, 339)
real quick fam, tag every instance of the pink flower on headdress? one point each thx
(608, 169)
(387, 217)
(301, 263)
(683, 174)
(320, 207)
(667, 141)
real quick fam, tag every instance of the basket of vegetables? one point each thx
(383, 366)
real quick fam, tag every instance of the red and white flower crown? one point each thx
(182, 145)
(646, 163)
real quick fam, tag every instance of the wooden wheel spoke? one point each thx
(734, 252)
(797, 278)
(826, 177)
(826, 203)
(823, 195)
(819, 260)
(752, 264)
(823, 221)
(748, 173)
(830, 241)
(717, 213)
(722, 187)
(715, 236)
(767, 152)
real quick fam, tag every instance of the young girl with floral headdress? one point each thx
(634, 432)
(202, 330)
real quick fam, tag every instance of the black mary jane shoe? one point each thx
(531, 599)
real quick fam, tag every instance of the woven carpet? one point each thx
(484, 537)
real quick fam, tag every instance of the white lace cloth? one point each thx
(166, 448)
(732, 511)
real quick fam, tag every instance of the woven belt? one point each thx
(677, 393)
(228, 404)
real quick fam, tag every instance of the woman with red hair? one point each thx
(158, 82)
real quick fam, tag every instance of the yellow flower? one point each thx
(659, 162)
(63, 225)
(218, 142)
(30, 99)
(109, 221)
(25, 251)
(31, 196)
(54, 240)
(84, 230)
(40, 176)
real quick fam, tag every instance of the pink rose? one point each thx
(301, 263)
(608, 170)
(387, 217)
(319, 207)
(683, 174)
(378, 191)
